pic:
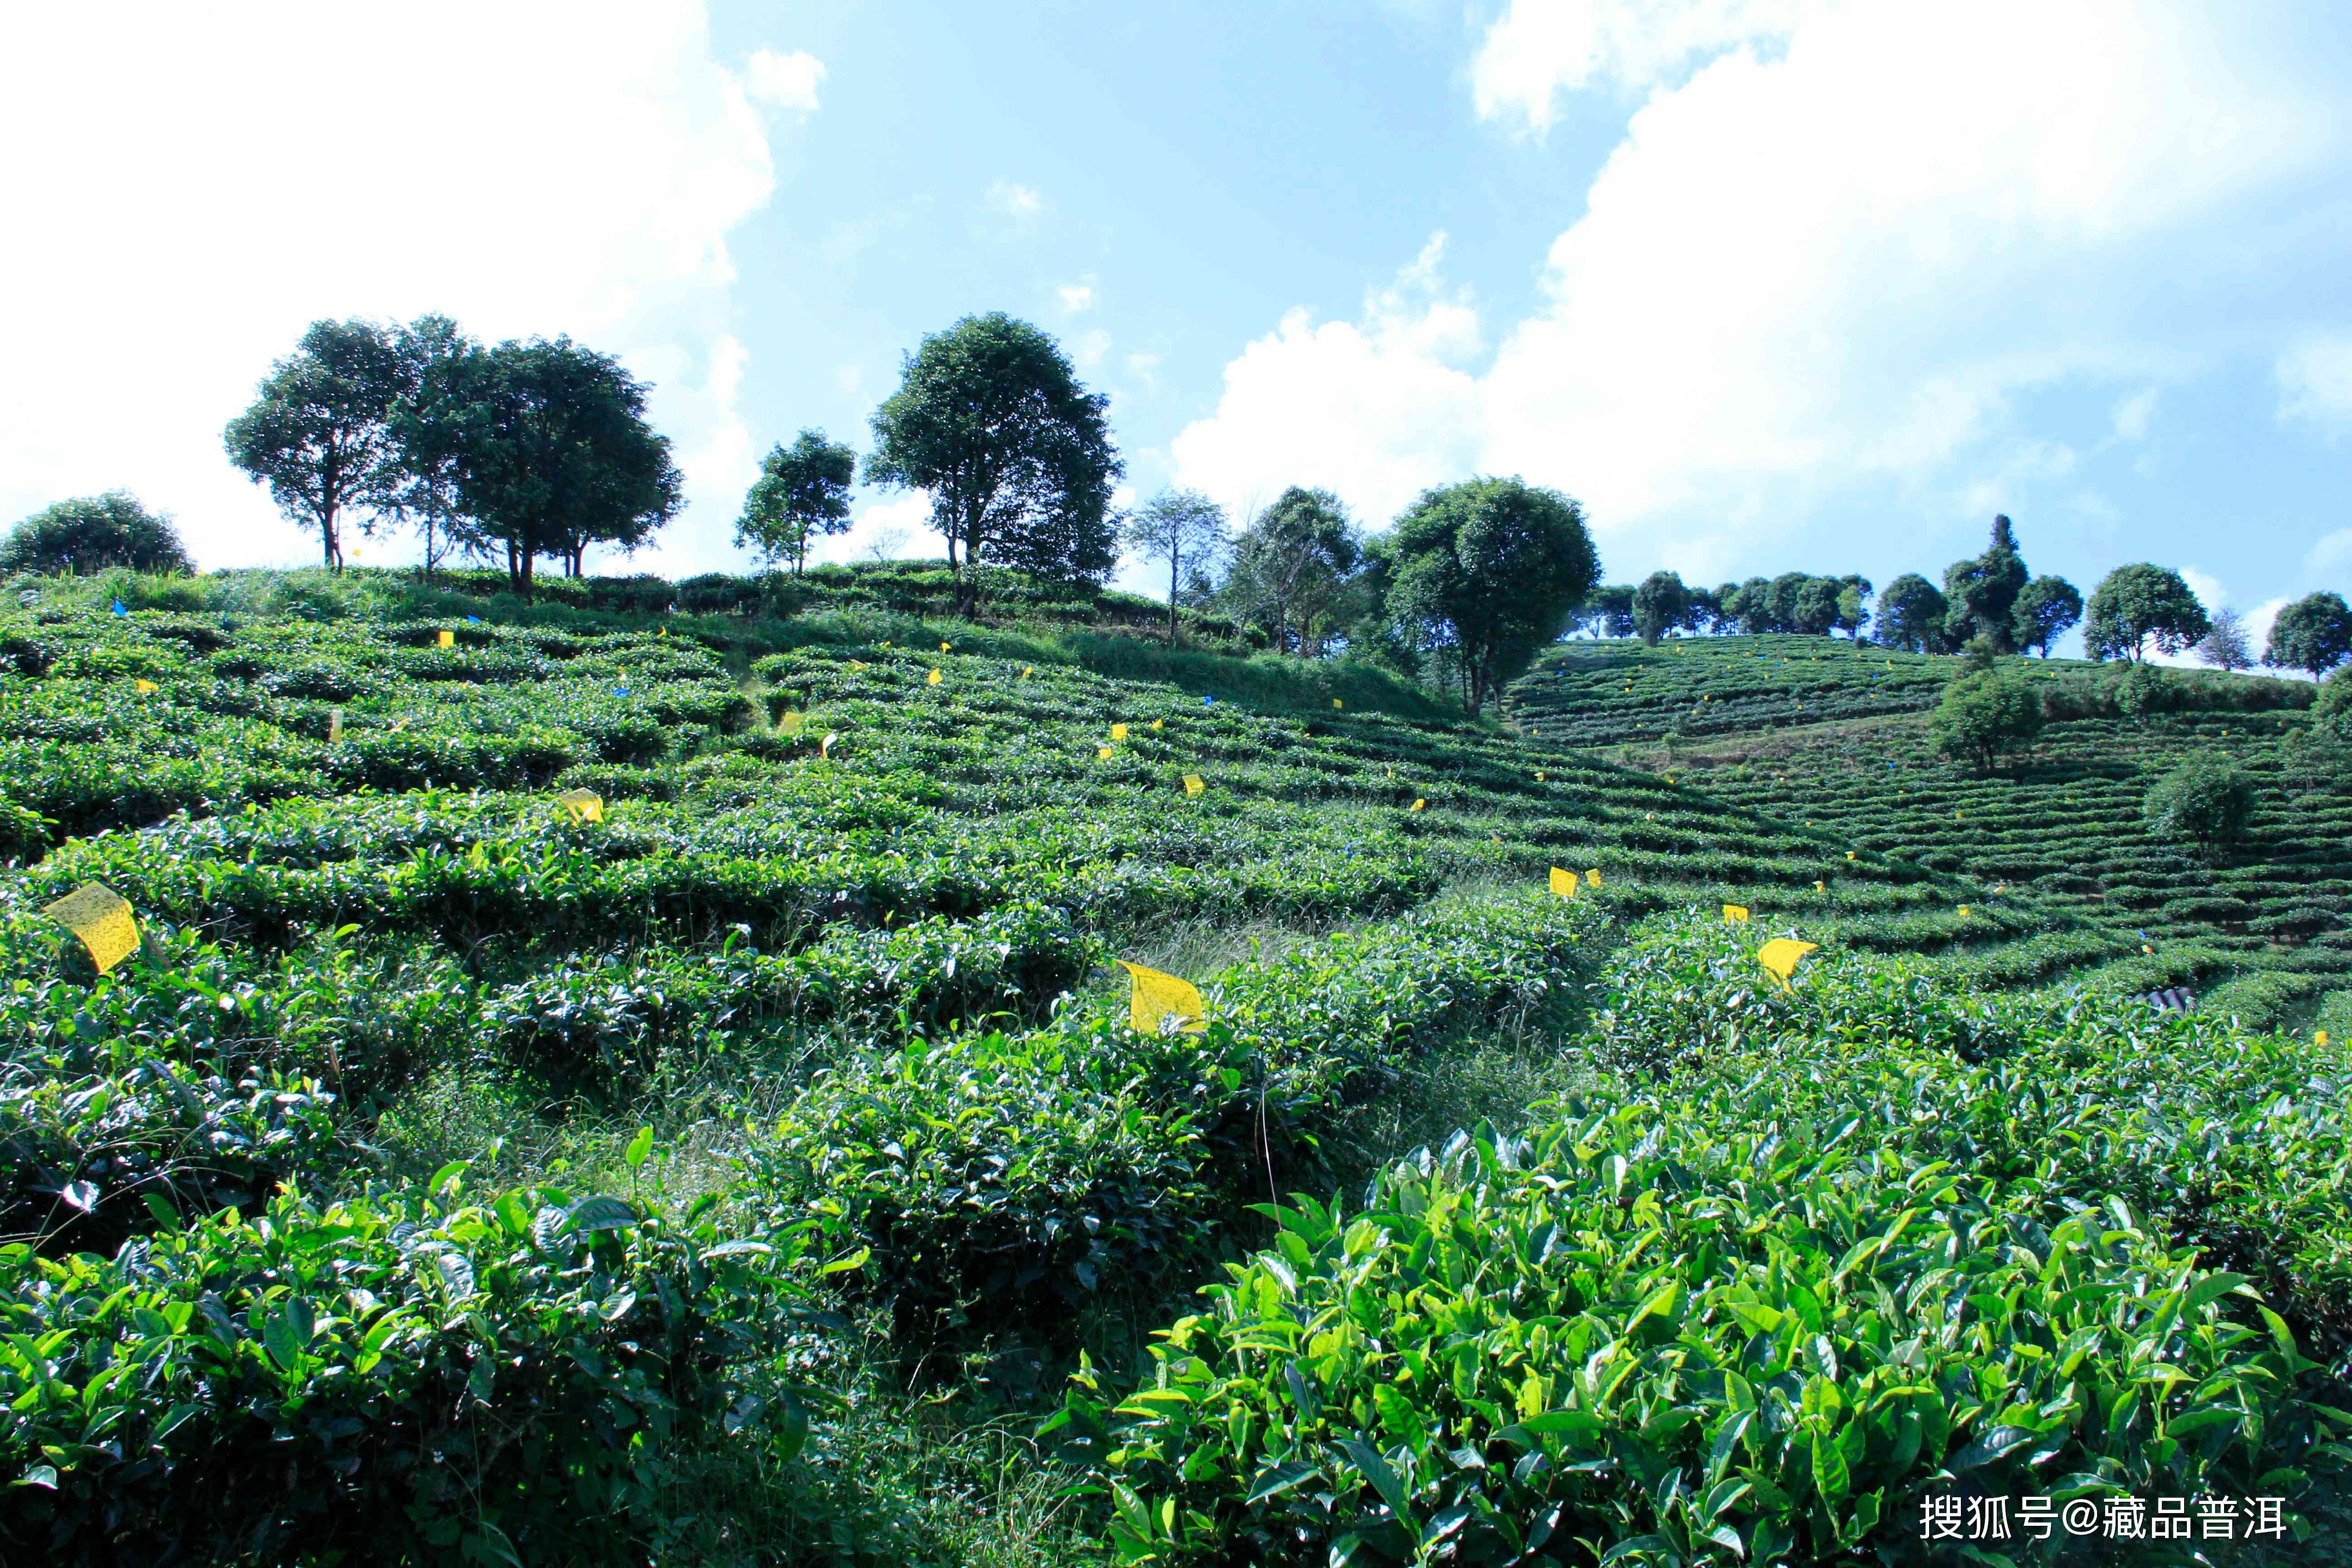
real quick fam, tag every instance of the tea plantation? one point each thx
(602, 1084)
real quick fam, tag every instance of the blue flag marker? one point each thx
(118, 610)
(1208, 701)
(473, 620)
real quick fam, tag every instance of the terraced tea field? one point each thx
(606, 1087)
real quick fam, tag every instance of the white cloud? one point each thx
(900, 524)
(2206, 586)
(1089, 347)
(2330, 560)
(1015, 201)
(784, 82)
(1832, 266)
(2133, 413)
(1076, 297)
(1145, 368)
(529, 168)
(2315, 382)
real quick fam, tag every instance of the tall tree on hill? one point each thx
(92, 533)
(1607, 611)
(1183, 528)
(423, 488)
(2224, 644)
(1853, 603)
(989, 420)
(1292, 567)
(548, 449)
(1982, 594)
(1912, 614)
(803, 491)
(319, 433)
(1660, 604)
(1486, 573)
(2046, 610)
(1780, 601)
(1705, 611)
(1817, 605)
(2313, 634)
(2139, 604)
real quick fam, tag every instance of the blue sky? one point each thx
(1768, 284)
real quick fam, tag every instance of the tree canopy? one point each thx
(1293, 569)
(2224, 644)
(1912, 614)
(1986, 714)
(1660, 604)
(1981, 594)
(1183, 528)
(803, 492)
(94, 533)
(1488, 572)
(2137, 605)
(2313, 634)
(2047, 608)
(547, 450)
(319, 434)
(989, 420)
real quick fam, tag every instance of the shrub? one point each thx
(2205, 804)
(91, 533)
(1984, 716)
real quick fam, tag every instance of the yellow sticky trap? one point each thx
(1159, 723)
(1592, 878)
(1964, 911)
(1563, 883)
(1337, 703)
(2144, 948)
(1541, 778)
(1419, 804)
(584, 805)
(445, 639)
(1821, 887)
(1780, 957)
(1193, 784)
(1102, 753)
(1027, 671)
(2319, 1038)
(144, 686)
(943, 647)
(789, 722)
(1735, 914)
(857, 664)
(825, 747)
(1119, 731)
(933, 679)
(102, 919)
(334, 725)
(1154, 998)
(1849, 854)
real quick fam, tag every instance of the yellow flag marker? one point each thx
(1563, 882)
(1735, 914)
(2144, 948)
(1819, 887)
(825, 747)
(933, 679)
(1849, 854)
(1193, 784)
(1119, 731)
(1964, 911)
(334, 725)
(1337, 703)
(2319, 1038)
(102, 919)
(1780, 957)
(1027, 671)
(1154, 997)
(789, 722)
(446, 637)
(943, 647)
(1592, 878)
(144, 686)
(1102, 753)
(1540, 777)
(584, 804)
(1419, 804)
(1159, 723)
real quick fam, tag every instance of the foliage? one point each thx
(320, 432)
(2314, 635)
(1982, 595)
(1984, 717)
(1183, 528)
(2047, 609)
(2225, 644)
(2137, 605)
(1607, 611)
(91, 533)
(1486, 573)
(2205, 801)
(803, 491)
(990, 422)
(1660, 604)
(1294, 571)
(1912, 615)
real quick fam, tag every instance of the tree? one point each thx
(2224, 646)
(1982, 594)
(1912, 614)
(320, 431)
(1486, 573)
(2204, 804)
(1852, 605)
(1291, 569)
(1705, 612)
(1660, 604)
(990, 421)
(803, 491)
(1184, 528)
(2313, 634)
(1985, 714)
(1780, 601)
(547, 450)
(1607, 611)
(2136, 605)
(2046, 610)
(91, 533)
(422, 480)
(1817, 605)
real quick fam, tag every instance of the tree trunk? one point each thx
(327, 537)
(1172, 569)
(526, 561)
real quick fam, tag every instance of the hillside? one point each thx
(754, 1159)
(1831, 737)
